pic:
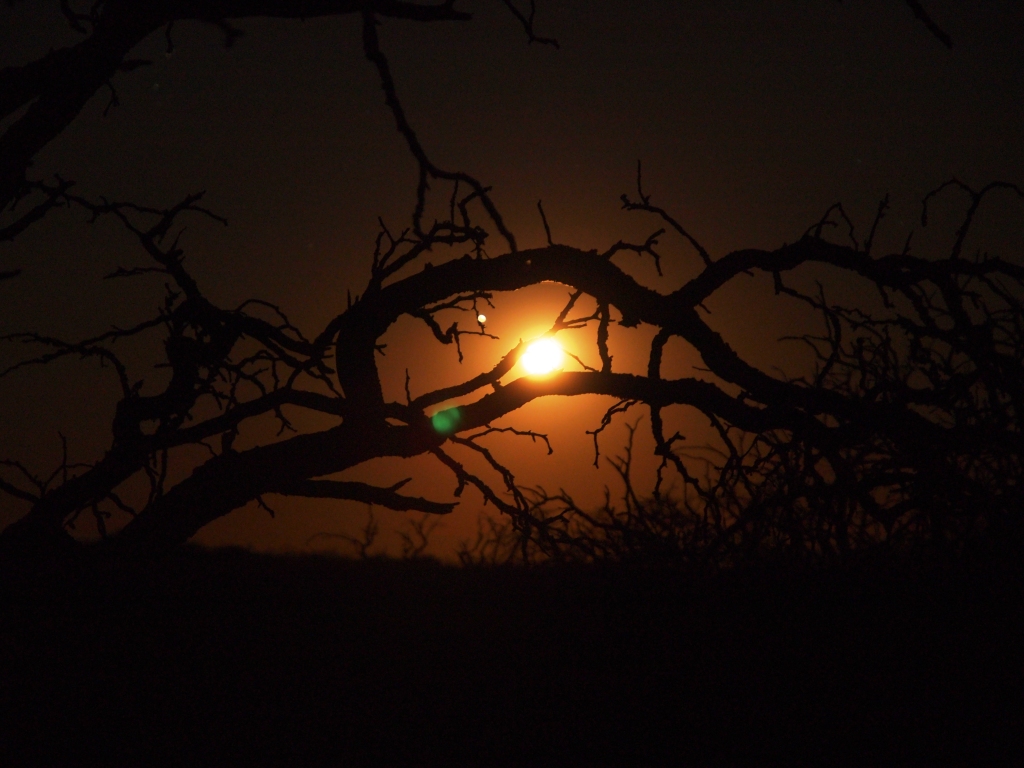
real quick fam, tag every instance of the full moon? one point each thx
(543, 356)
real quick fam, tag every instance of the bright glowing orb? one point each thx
(481, 318)
(543, 356)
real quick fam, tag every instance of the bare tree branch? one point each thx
(923, 16)
(371, 494)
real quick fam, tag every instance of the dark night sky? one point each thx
(750, 118)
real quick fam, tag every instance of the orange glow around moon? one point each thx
(543, 356)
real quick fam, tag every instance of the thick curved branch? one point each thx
(675, 312)
(232, 479)
(61, 88)
(124, 460)
(370, 494)
(623, 386)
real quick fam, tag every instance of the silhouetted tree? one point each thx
(909, 426)
(54, 89)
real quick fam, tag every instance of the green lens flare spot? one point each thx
(446, 421)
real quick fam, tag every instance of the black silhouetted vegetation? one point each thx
(907, 430)
(834, 581)
(226, 657)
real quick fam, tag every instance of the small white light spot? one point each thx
(481, 318)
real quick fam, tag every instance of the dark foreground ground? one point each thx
(228, 658)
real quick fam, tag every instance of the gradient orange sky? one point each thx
(750, 118)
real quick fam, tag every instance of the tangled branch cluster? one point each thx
(924, 448)
(909, 427)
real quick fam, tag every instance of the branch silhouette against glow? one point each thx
(908, 406)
